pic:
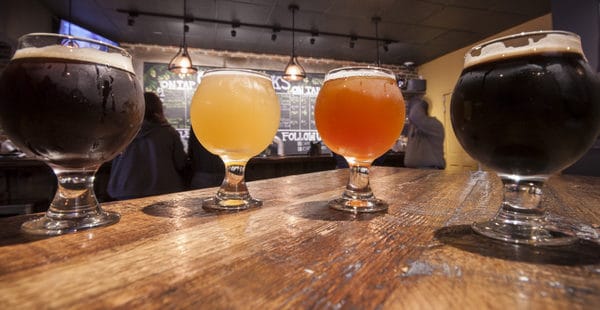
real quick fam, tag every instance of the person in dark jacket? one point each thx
(208, 169)
(154, 161)
(425, 146)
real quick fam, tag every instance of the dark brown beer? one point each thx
(527, 114)
(70, 113)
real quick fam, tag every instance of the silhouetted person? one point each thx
(154, 161)
(208, 169)
(425, 146)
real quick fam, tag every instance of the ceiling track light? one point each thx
(131, 18)
(235, 24)
(313, 33)
(268, 27)
(293, 71)
(276, 29)
(182, 62)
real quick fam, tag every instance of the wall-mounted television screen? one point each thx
(66, 27)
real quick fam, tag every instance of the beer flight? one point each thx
(516, 99)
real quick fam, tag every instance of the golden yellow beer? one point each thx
(235, 114)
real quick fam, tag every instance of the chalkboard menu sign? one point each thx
(296, 128)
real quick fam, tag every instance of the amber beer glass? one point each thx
(73, 103)
(359, 114)
(526, 106)
(235, 115)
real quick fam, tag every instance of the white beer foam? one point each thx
(81, 54)
(359, 71)
(237, 72)
(550, 42)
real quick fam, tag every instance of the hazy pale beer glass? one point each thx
(235, 115)
(359, 114)
(73, 107)
(526, 106)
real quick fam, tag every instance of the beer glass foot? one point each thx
(522, 218)
(358, 197)
(218, 204)
(358, 205)
(55, 224)
(537, 235)
(233, 194)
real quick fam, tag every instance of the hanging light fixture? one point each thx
(182, 62)
(376, 20)
(293, 70)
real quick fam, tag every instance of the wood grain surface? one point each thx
(294, 252)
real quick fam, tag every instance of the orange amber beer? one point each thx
(360, 117)
(359, 114)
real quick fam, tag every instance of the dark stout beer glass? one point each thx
(73, 103)
(526, 106)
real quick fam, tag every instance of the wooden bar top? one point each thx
(294, 252)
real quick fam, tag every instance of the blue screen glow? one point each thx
(78, 31)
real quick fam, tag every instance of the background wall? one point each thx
(296, 130)
(442, 74)
(583, 18)
(231, 59)
(18, 18)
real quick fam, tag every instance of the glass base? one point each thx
(522, 234)
(49, 225)
(216, 204)
(358, 205)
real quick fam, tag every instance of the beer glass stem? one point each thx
(522, 217)
(234, 185)
(233, 195)
(75, 194)
(358, 184)
(521, 204)
(357, 196)
(74, 206)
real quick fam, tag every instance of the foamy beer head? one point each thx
(529, 43)
(359, 71)
(69, 48)
(69, 101)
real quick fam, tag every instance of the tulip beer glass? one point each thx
(73, 103)
(359, 114)
(235, 115)
(526, 106)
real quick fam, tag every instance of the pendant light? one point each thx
(182, 62)
(293, 71)
(376, 20)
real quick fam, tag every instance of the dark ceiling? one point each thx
(422, 29)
